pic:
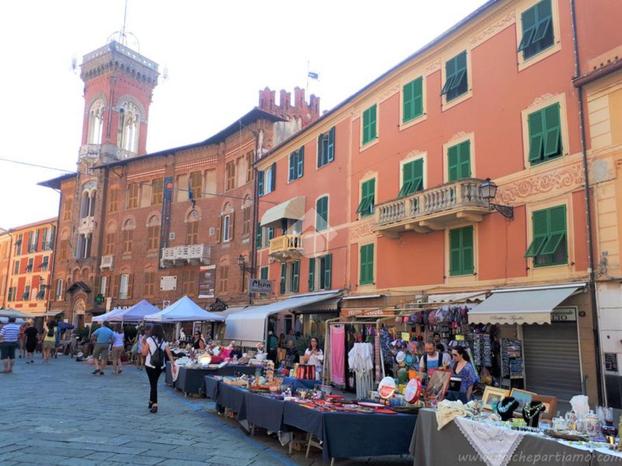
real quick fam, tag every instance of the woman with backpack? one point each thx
(49, 340)
(153, 349)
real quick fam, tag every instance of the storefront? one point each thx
(546, 338)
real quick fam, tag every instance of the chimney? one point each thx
(284, 101)
(266, 100)
(299, 97)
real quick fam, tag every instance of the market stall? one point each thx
(183, 310)
(135, 313)
(490, 444)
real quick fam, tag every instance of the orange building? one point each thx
(391, 186)
(28, 253)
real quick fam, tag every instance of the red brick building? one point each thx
(166, 224)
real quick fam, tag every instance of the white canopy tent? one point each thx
(184, 310)
(250, 325)
(106, 317)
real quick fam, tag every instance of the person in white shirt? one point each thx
(314, 357)
(433, 359)
(118, 344)
(155, 347)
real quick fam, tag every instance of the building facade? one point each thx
(160, 225)
(26, 257)
(390, 186)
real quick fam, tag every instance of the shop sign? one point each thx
(369, 313)
(611, 362)
(207, 281)
(168, 283)
(564, 315)
(258, 285)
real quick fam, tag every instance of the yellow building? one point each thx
(5, 260)
(602, 88)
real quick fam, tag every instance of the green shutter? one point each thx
(321, 208)
(412, 105)
(461, 251)
(258, 236)
(459, 161)
(536, 136)
(412, 177)
(367, 264)
(540, 233)
(537, 24)
(260, 183)
(283, 280)
(557, 230)
(301, 163)
(552, 139)
(292, 166)
(549, 246)
(369, 124)
(273, 178)
(366, 206)
(311, 282)
(264, 273)
(331, 145)
(456, 77)
(327, 272)
(295, 285)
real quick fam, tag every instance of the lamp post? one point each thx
(488, 191)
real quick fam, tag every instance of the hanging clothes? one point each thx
(360, 361)
(337, 354)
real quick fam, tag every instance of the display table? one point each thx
(350, 435)
(265, 412)
(210, 387)
(191, 380)
(232, 398)
(431, 447)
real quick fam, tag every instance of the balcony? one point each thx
(189, 254)
(108, 152)
(106, 262)
(433, 209)
(286, 247)
(87, 225)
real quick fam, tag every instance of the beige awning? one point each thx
(522, 305)
(293, 209)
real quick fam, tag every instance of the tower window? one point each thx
(96, 122)
(129, 127)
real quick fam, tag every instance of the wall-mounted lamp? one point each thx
(488, 191)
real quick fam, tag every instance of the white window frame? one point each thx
(124, 284)
(59, 289)
(226, 228)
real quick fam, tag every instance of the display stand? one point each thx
(512, 368)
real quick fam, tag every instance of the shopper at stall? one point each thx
(314, 356)
(438, 342)
(272, 346)
(153, 349)
(433, 359)
(198, 342)
(103, 337)
(117, 348)
(464, 376)
(291, 355)
(31, 335)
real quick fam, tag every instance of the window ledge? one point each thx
(526, 63)
(461, 279)
(319, 167)
(364, 147)
(413, 122)
(458, 100)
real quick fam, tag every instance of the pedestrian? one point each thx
(314, 356)
(433, 359)
(117, 348)
(198, 343)
(139, 349)
(464, 376)
(10, 338)
(31, 335)
(103, 337)
(273, 344)
(22, 341)
(154, 348)
(49, 340)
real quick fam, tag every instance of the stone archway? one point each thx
(78, 312)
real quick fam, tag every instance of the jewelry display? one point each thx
(506, 407)
(532, 411)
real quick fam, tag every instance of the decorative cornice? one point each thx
(556, 181)
(488, 32)
(362, 229)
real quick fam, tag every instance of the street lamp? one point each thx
(244, 268)
(488, 191)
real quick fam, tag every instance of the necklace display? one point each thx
(506, 407)
(531, 413)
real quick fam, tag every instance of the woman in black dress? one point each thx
(31, 341)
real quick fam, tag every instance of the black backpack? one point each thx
(157, 357)
(51, 332)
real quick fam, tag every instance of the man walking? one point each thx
(103, 337)
(10, 337)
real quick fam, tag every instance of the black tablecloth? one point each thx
(191, 381)
(232, 398)
(210, 387)
(348, 435)
(263, 411)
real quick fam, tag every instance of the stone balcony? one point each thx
(87, 225)
(108, 152)
(433, 209)
(188, 254)
(286, 247)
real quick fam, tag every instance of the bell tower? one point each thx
(118, 87)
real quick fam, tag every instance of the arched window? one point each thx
(246, 216)
(227, 219)
(128, 235)
(96, 122)
(129, 127)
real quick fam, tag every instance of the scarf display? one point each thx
(360, 361)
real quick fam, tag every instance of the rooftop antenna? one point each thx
(123, 35)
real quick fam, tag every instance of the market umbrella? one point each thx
(106, 317)
(184, 310)
(13, 313)
(136, 313)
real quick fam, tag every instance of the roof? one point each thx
(33, 224)
(54, 183)
(254, 115)
(459, 25)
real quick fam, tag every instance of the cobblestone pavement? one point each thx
(59, 413)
